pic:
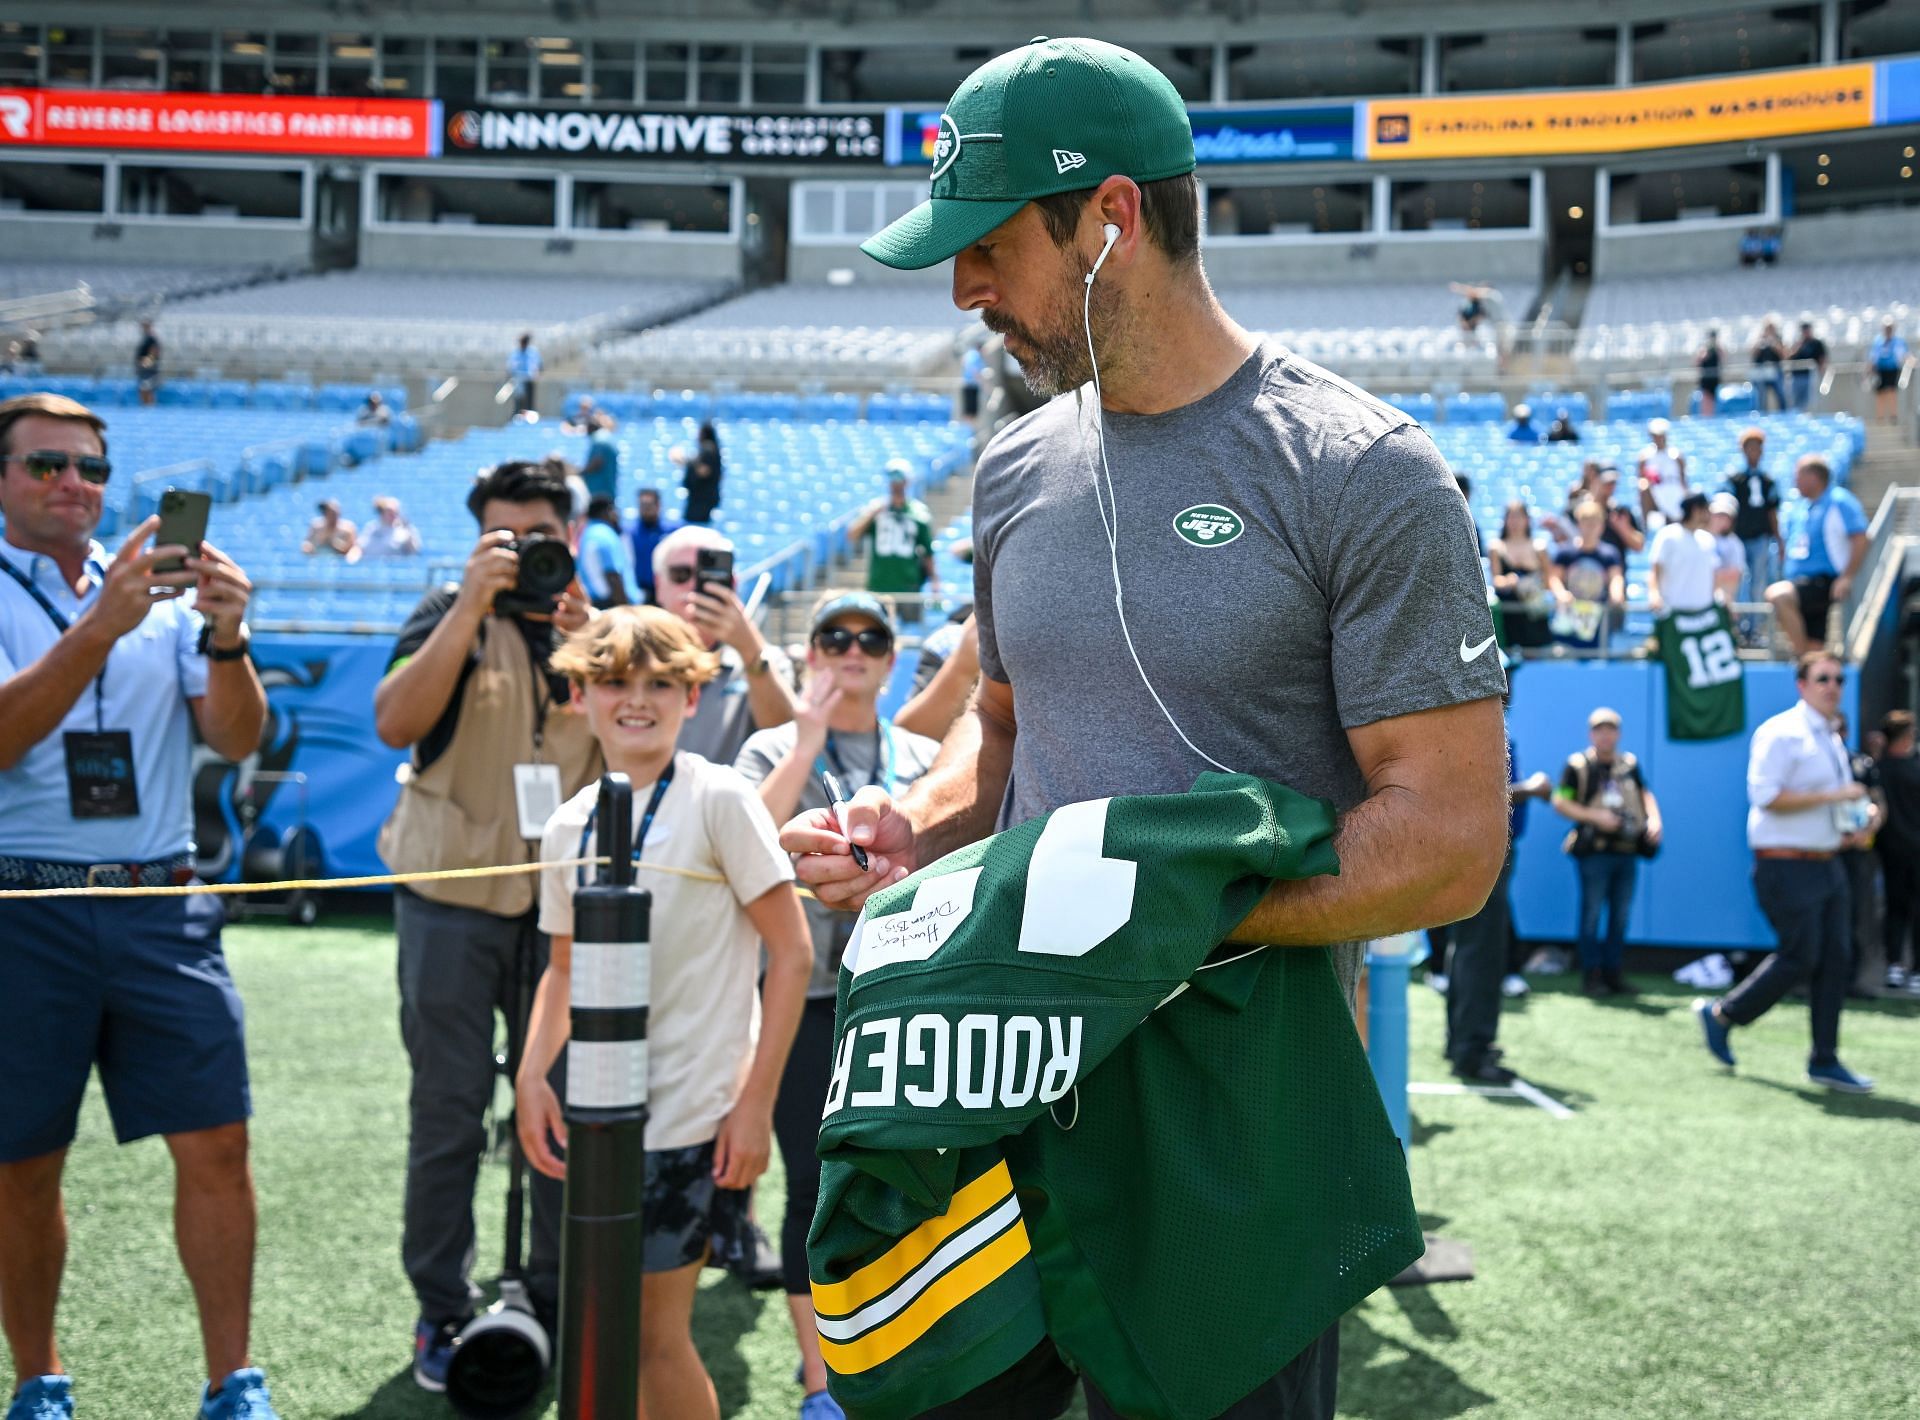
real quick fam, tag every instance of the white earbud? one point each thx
(1112, 234)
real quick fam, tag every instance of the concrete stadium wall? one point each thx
(1439, 259)
(1662, 249)
(184, 243)
(1829, 236)
(390, 250)
(810, 263)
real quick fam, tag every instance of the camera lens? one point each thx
(546, 567)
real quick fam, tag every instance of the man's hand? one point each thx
(717, 614)
(131, 586)
(1847, 795)
(492, 568)
(571, 609)
(1842, 585)
(822, 859)
(1537, 785)
(220, 594)
(743, 1145)
(539, 1122)
(1655, 831)
(1606, 820)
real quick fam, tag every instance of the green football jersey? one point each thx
(899, 538)
(1706, 689)
(1059, 1107)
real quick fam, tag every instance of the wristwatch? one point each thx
(760, 664)
(214, 653)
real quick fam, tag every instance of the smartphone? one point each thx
(712, 566)
(183, 523)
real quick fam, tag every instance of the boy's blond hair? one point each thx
(621, 639)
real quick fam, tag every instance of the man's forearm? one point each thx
(957, 801)
(410, 700)
(935, 709)
(234, 709)
(37, 699)
(769, 697)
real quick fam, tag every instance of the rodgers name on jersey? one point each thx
(975, 1061)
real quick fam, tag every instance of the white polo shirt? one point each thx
(1797, 750)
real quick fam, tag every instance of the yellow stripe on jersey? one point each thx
(974, 1275)
(884, 1272)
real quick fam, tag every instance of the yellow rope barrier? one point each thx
(336, 884)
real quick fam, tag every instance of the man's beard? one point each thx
(1053, 356)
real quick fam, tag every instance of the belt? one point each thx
(176, 871)
(1809, 855)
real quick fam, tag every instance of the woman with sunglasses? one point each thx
(837, 730)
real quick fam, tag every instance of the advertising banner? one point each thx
(1775, 104)
(668, 135)
(1281, 133)
(1897, 91)
(218, 123)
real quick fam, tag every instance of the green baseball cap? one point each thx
(1055, 115)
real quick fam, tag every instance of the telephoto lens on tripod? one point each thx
(601, 1240)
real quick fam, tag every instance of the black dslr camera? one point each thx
(546, 568)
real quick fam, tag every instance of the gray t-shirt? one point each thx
(903, 756)
(720, 726)
(1297, 561)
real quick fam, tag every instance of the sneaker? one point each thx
(433, 1353)
(1438, 981)
(821, 1406)
(43, 1398)
(1838, 1077)
(1487, 1072)
(1913, 984)
(1594, 984)
(1514, 984)
(1896, 976)
(1618, 984)
(242, 1396)
(1715, 1030)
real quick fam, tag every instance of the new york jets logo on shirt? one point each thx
(1208, 525)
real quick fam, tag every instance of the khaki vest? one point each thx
(459, 811)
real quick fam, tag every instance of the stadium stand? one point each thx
(1374, 329)
(130, 284)
(871, 331)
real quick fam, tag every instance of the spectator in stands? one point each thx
(523, 372)
(1518, 563)
(649, 528)
(1767, 357)
(1588, 582)
(104, 672)
(390, 536)
(1623, 526)
(1663, 475)
(704, 472)
(898, 533)
(606, 574)
(754, 689)
(146, 364)
(1684, 561)
(1757, 524)
(1888, 359)
(1804, 807)
(374, 411)
(329, 532)
(973, 366)
(1563, 430)
(1521, 431)
(1826, 537)
(602, 468)
(1809, 362)
(494, 750)
(837, 727)
(27, 357)
(1722, 511)
(1616, 819)
(1476, 308)
(582, 419)
(716, 1045)
(1899, 847)
(1708, 360)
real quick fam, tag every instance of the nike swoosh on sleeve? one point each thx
(1474, 653)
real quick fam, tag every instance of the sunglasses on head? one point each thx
(48, 464)
(875, 641)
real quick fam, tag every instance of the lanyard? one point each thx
(61, 624)
(639, 839)
(883, 758)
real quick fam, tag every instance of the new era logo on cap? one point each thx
(1066, 160)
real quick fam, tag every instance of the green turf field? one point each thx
(1688, 1245)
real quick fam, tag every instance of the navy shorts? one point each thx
(137, 986)
(689, 1216)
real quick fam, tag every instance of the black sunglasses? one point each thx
(1828, 679)
(48, 464)
(875, 641)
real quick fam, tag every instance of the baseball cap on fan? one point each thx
(1055, 115)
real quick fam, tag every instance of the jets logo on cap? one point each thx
(1208, 525)
(946, 147)
(1066, 160)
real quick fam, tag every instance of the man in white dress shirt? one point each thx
(1805, 807)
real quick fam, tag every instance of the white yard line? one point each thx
(1519, 1089)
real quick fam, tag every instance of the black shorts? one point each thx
(1816, 598)
(1040, 1387)
(970, 400)
(1709, 384)
(1886, 379)
(687, 1212)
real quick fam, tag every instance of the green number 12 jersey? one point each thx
(1706, 690)
(1059, 1108)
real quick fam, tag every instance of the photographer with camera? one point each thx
(495, 751)
(1616, 823)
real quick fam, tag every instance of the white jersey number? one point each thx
(1711, 660)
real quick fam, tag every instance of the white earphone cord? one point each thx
(1112, 529)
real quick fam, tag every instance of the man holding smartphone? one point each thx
(754, 690)
(104, 673)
